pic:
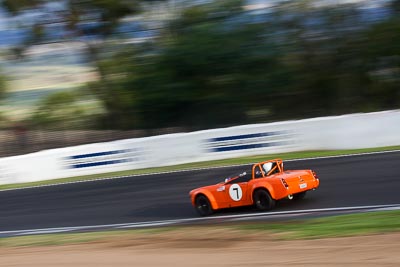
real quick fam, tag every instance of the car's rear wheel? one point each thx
(263, 200)
(299, 196)
(203, 206)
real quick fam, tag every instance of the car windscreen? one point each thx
(243, 177)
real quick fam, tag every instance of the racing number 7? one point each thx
(237, 192)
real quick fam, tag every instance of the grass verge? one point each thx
(76, 238)
(204, 164)
(334, 226)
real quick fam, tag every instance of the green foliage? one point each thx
(396, 7)
(103, 16)
(210, 70)
(214, 66)
(3, 86)
(3, 91)
(63, 110)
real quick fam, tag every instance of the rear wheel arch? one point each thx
(267, 187)
(258, 189)
(262, 199)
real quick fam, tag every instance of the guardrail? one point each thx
(325, 133)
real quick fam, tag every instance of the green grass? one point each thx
(204, 164)
(75, 238)
(325, 227)
(335, 226)
(50, 240)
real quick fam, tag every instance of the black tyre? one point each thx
(203, 206)
(263, 200)
(299, 196)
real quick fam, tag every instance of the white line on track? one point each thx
(195, 169)
(264, 215)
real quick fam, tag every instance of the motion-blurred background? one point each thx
(82, 71)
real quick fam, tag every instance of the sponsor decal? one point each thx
(248, 141)
(102, 158)
(221, 189)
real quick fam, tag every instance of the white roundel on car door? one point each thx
(235, 192)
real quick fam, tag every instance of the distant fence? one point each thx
(21, 140)
(340, 132)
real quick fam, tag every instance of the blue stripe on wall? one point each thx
(243, 147)
(99, 163)
(106, 153)
(243, 136)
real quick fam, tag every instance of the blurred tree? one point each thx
(321, 60)
(88, 21)
(219, 64)
(215, 68)
(395, 4)
(121, 98)
(3, 86)
(63, 110)
(3, 91)
(382, 53)
(213, 71)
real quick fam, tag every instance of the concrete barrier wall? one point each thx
(340, 132)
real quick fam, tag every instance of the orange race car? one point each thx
(262, 187)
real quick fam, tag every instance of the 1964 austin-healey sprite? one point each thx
(267, 183)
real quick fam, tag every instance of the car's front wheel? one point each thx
(263, 200)
(203, 205)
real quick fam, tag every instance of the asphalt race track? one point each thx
(344, 181)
